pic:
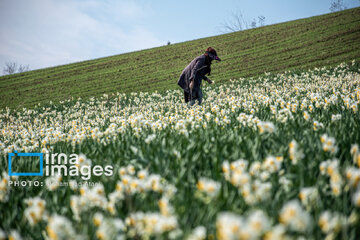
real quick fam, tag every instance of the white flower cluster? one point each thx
(132, 182)
(199, 233)
(248, 121)
(331, 169)
(208, 186)
(4, 187)
(294, 217)
(353, 174)
(295, 152)
(331, 223)
(35, 211)
(149, 224)
(13, 235)
(265, 127)
(252, 183)
(233, 226)
(328, 144)
(88, 198)
(108, 228)
(309, 197)
(60, 228)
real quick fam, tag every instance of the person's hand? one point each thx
(209, 81)
(191, 85)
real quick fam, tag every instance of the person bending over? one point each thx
(192, 76)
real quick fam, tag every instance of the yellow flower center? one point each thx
(200, 186)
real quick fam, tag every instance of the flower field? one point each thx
(276, 157)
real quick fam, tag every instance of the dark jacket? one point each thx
(196, 70)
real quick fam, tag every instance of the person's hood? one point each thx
(213, 56)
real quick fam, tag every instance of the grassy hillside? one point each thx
(317, 41)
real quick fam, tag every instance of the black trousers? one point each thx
(187, 96)
(196, 94)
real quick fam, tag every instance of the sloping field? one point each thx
(323, 40)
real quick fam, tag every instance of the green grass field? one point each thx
(325, 40)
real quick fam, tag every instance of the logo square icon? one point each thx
(15, 153)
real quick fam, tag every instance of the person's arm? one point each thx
(200, 64)
(208, 80)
